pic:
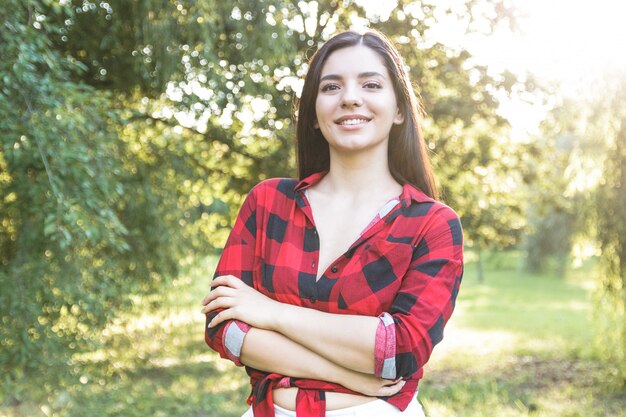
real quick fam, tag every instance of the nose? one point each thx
(351, 97)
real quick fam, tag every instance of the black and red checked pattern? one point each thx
(407, 266)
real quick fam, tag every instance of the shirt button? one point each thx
(334, 269)
(313, 265)
(312, 299)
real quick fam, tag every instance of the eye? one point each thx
(372, 84)
(329, 87)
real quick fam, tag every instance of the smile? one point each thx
(352, 121)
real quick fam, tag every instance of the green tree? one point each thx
(608, 118)
(576, 190)
(556, 204)
(83, 225)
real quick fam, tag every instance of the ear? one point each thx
(399, 118)
(316, 125)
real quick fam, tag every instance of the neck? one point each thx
(353, 174)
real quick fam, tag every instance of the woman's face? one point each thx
(356, 105)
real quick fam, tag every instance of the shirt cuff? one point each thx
(385, 348)
(234, 334)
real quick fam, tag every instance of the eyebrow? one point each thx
(337, 77)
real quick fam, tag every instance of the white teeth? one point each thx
(352, 121)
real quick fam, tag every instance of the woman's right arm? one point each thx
(269, 351)
(237, 259)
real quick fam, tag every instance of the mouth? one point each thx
(352, 120)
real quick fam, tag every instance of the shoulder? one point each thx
(273, 195)
(447, 221)
(273, 198)
(421, 216)
(431, 212)
(443, 212)
(416, 204)
(443, 224)
(274, 187)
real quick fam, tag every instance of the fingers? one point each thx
(221, 291)
(221, 302)
(373, 386)
(222, 297)
(227, 280)
(392, 389)
(225, 315)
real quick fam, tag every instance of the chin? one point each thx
(353, 147)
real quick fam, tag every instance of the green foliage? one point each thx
(57, 196)
(85, 223)
(556, 206)
(576, 191)
(610, 115)
(551, 238)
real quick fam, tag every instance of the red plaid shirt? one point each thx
(405, 268)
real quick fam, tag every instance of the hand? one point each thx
(371, 385)
(239, 301)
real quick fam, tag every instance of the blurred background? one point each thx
(131, 130)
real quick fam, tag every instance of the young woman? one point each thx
(333, 289)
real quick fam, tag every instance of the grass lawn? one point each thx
(518, 345)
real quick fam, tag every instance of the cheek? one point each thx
(320, 105)
(322, 111)
(318, 111)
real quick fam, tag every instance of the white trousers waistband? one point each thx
(376, 408)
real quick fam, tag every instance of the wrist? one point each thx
(281, 312)
(342, 376)
(283, 315)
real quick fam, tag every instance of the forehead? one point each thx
(354, 60)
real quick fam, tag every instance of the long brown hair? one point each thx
(408, 160)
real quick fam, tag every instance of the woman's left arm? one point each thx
(347, 340)
(394, 345)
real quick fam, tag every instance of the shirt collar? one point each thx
(409, 191)
(412, 193)
(310, 180)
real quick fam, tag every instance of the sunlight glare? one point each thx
(566, 44)
(564, 41)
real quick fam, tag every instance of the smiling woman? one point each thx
(334, 288)
(355, 109)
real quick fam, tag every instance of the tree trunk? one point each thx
(479, 265)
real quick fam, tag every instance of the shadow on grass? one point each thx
(158, 365)
(200, 389)
(534, 308)
(153, 362)
(520, 344)
(522, 386)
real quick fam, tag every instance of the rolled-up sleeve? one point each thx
(408, 332)
(237, 259)
(385, 348)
